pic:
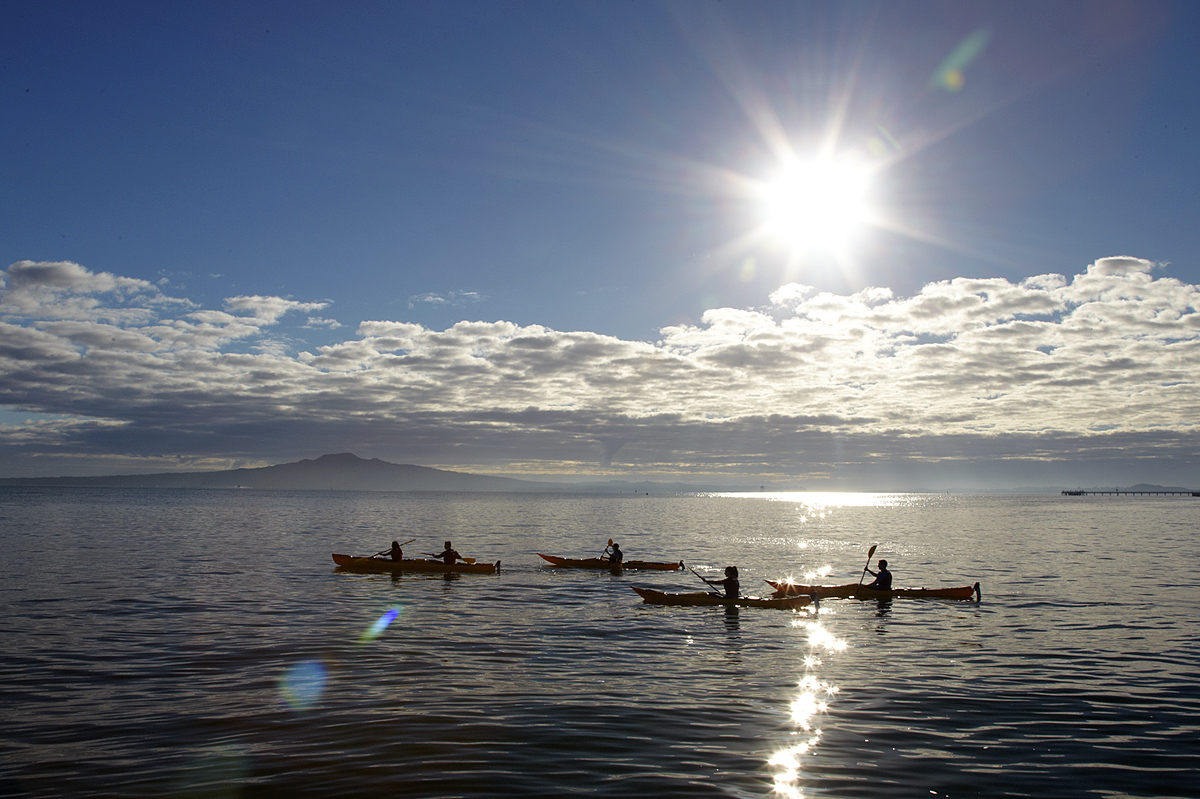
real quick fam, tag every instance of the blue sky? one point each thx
(531, 238)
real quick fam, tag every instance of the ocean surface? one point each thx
(201, 644)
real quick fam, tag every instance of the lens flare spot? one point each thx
(381, 624)
(747, 271)
(302, 685)
(951, 73)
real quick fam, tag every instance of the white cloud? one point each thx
(1121, 265)
(67, 276)
(962, 369)
(270, 309)
(65, 290)
(453, 298)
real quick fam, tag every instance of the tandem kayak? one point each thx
(373, 565)
(703, 598)
(601, 563)
(862, 592)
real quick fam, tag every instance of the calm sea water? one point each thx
(200, 643)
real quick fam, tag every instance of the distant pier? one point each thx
(1128, 493)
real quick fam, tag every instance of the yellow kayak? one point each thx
(703, 598)
(374, 565)
(603, 563)
(863, 592)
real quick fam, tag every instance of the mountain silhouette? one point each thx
(344, 471)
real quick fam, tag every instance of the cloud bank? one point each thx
(969, 381)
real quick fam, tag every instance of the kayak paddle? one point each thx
(693, 571)
(389, 549)
(870, 554)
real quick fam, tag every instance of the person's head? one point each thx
(395, 545)
(616, 545)
(731, 571)
(883, 564)
(447, 545)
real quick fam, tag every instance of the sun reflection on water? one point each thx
(818, 501)
(812, 701)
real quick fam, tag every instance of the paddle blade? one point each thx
(871, 552)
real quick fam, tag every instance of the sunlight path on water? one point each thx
(812, 700)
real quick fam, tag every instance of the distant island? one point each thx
(348, 472)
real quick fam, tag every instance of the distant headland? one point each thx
(348, 472)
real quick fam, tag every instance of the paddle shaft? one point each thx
(693, 571)
(870, 554)
(389, 549)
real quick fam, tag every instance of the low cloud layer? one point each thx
(971, 380)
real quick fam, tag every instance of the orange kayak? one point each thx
(703, 598)
(601, 563)
(862, 592)
(373, 565)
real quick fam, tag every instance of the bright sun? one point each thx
(820, 204)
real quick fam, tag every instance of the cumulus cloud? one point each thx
(967, 370)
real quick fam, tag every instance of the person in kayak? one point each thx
(616, 556)
(448, 555)
(397, 553)
(883, 578)
(730, 583)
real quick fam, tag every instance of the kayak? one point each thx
(862, 592)
(373, 565)
(601, 563)
(703, 598)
